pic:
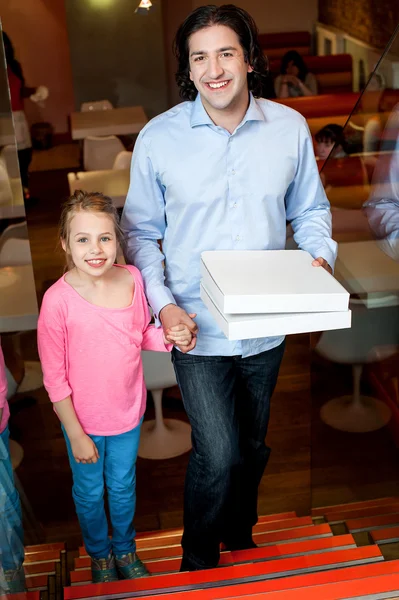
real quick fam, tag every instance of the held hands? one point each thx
(291, 79)
(84, 449)
(321, 262)
(179, 327)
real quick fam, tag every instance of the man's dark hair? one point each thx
(296, 58)
(244, 26)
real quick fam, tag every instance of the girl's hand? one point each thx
(180, 335)
(84, 449)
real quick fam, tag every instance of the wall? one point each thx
(270, 16)
(372, 22)
(116, 54)
(37, 29)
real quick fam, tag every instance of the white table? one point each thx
(366, 270)
(113, 183)
(116, 121)
(18, 302)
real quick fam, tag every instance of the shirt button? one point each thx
(235, 205)
(233, 172)
(237, 238)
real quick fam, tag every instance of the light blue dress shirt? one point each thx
(197, 187)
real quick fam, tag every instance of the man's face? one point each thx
(218, 68)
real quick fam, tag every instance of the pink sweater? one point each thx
(3, 394)
(93, 354)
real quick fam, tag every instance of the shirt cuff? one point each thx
(158, 297)
(59, 392)
(329, 253)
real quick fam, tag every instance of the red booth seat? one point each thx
(275, 45)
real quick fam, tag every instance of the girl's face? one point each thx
(92, 243)
(292, 69)
(324, 148)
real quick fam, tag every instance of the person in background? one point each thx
(330, 140)
(18, 92)
(371, 105)
(12, 577)
(93, 324)
(295, 79)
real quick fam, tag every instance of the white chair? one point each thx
(161, 438)
(374, 336)
(6, 197)
(123, 160)
(14, 246)
(96, 105)
(99, 153)
(9, 157)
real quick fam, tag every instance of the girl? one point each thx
(295, 79)
(93, 324)
(12, 578)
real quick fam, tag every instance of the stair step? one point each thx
(282, 567)
(260, 528)
(321, 510)
(60, 547)
(388, 535)
(368, 523)
(23, 596)
(296, 582)
(42, 557)
(157, 567)
(45, 568)
(36, 583)
(372, 511)
(374, 588)
(159, 533)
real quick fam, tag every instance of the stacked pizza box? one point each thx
(262, 293)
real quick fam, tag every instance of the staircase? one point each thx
(340, 552)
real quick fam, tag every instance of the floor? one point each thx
(311, 464)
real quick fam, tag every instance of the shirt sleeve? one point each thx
(144, 223)
(3, 381)
(51, 337)
(307, 207)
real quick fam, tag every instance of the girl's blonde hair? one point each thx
(90, 202)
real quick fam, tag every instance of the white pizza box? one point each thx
(270, 281)
(245, 327)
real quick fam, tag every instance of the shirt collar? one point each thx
(199, 116)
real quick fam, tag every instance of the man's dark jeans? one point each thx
(227, 399)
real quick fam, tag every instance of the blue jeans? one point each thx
(116, 471)
(227, 399)
(11, 531)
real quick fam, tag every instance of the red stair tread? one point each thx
(321, 510)
(296, 582)
(238, 557)
(179, 530)
(45, 548)
(37, 582)
(271, 568)
(373, 511)
(372, 522)
(260, 528)
(40, 568)
(42, 557)
(335, 591)
(273, 537)
(386, 535)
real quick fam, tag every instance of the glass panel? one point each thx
(19, 372)
(355, 392)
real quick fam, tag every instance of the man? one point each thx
(221, 171)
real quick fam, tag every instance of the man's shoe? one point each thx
(103, 569)
(129, 566)
(15, 580)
